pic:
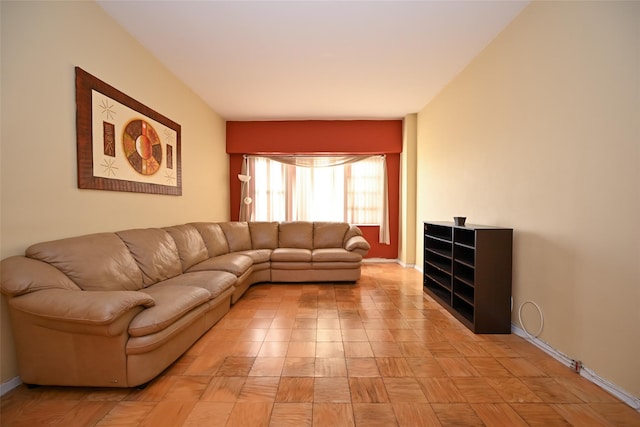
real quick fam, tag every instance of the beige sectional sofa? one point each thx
(116, 309)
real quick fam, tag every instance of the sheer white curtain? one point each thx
(317, 188)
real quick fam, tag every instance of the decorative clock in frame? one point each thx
(124, 145)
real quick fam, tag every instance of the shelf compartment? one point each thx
(464, 291)
(464, 273)
(441, 278)
(464, 236)
(438, 231)
(464, 255)
(438, 246)
(465, 309)
(441, 262)
(436, 289)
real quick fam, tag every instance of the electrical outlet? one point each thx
(576, 366)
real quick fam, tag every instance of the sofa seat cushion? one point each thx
(171, 303)
(296, 265)
(291, 255)
(216, 282)
(237, 264)
(334, 254)
(258, 255)
(192, 320)
(261, 266)
(335, 265)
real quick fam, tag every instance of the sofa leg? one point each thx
(143, 386)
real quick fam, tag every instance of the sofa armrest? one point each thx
(88, 311)
(357, 244)
(22, 275)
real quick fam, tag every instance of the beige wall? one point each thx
(42, 42)
(542, 133)
(408, 163)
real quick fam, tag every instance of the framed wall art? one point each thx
(122, 144)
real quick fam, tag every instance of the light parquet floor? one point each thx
(377, 353)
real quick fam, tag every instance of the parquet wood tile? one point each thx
(540, 415)
(456, 414)
(259, 389)
(223, 389)
(267, 367)
(214, 414)
(299, 367)
(457, 367)
(498, 415)
(123, 414)
(168, 413)
(333, 414)
(368, 390)
(581, 414)
(295, 390)
(292, 415)
(512, 390)
(618, 413)
(549, 390)
(374, 415)
(236, 366)
(425, 367)
(330, 367)
(415, 415)
(476, 390)
(330, 355)
(331, 389)
(330, 349)
(441, 390)
(255, 414)
(404, 389)
(362, 367)
(357, 349)
(301, 349)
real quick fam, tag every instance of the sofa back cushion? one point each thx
(155, 253)
(295, 234)
(95, 262)
(213, 237)
(238, 235)
(329, 234)
(191, 247)
(264, 235)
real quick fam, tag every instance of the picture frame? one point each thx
(123, 145)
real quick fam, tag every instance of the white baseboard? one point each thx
(378, 260)
(405, 265)
(585, 372)
(9, 385)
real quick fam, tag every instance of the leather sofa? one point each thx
(116, 309)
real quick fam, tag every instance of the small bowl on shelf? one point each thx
(459, 220)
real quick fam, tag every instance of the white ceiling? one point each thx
(278, 60)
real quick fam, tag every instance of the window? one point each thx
(317, 188)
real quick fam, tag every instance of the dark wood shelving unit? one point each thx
(467, 269)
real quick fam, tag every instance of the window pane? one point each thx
(351, 193)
